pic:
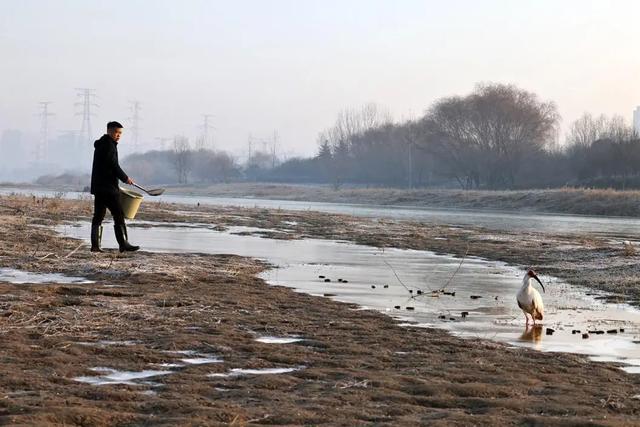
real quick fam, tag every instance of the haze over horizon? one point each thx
(290, 67)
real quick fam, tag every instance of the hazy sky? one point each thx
(290, 66)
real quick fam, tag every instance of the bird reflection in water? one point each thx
(532, 334)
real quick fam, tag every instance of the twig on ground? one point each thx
(75, 250)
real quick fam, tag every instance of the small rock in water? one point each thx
(410, 291)
(340, 280)
(585, 336)
(410, 308)
(419, 292)
(442, 316)
(464, 314)
(327, 280)
(452, 318)
(397, 307)
(320, 277)
(386, 286)
(575, 331)
(345, 281)
(330, 295)
(612, 331)
(550, 331)
(475, 296)
(621, 329)
(373, 286)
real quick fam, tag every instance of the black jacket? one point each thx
(106, 171)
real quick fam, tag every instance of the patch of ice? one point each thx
(236, 372)
(278, 340)
(20, 277)
(113, 376)
(107, 342)
(196, 357)
(201, 360)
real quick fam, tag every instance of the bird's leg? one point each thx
(526, 318)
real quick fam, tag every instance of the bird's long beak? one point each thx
(536, 277)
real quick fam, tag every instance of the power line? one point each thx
(42, 150)
(88, 96)
(207, 137)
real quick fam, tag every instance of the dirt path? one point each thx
(354, 367)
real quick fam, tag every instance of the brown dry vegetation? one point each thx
(361, 368)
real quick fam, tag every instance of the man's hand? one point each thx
(130, 181)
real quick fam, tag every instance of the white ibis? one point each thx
(529, 299)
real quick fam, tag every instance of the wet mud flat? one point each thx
(203, 323)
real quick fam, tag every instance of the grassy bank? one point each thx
(564, 200)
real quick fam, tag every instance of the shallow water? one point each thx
(497, 220)
(371, 283)
(20, 277)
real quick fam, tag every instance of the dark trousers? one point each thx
(104, 201)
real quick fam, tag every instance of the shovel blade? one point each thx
(156, 191)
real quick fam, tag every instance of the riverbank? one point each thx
(564, 200)
(353, 366)
(596, 202)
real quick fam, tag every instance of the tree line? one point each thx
(496, 137)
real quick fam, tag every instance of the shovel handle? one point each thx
(136, 185)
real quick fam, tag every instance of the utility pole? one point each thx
(88, 96)
(42, 149)
(207, 139)
(273, 149)
(135, 123)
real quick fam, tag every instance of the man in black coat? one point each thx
(104, 186)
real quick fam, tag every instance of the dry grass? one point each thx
(563, 200)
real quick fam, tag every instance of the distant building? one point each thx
(636, 120)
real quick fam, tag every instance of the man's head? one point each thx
(114, 130)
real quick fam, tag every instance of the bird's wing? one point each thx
(537, 304)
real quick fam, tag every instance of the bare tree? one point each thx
(486, 135)
(181, 158)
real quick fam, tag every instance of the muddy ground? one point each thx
(354, 367)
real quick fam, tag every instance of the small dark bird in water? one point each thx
(550, 331)
(320, 277)
(327, 280)
(475, 296)
(373, 286)
(464, 314)
(397, 307)
(419, 292)
(585, 336)
(386, 286)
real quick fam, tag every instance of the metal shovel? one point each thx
(153, 192)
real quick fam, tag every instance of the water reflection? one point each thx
(532, 334)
